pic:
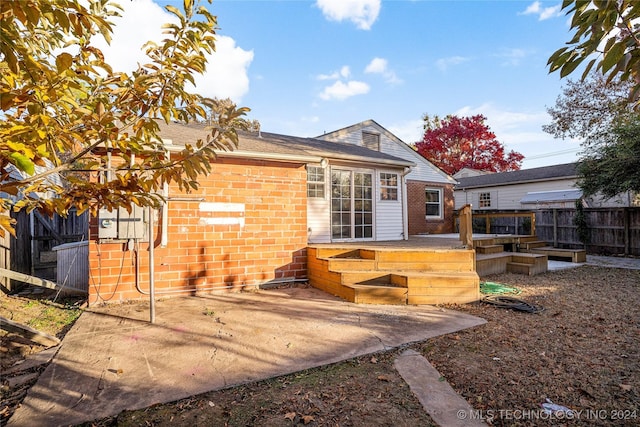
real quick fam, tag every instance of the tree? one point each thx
(589, 109)
(455, 142)
(65, 112)
(615, 167)
(608, 34)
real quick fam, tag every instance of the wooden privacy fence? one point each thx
(31, 251)
(610, 230)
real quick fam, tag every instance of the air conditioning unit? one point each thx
(121, 225)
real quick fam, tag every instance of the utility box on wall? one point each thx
(122, 225)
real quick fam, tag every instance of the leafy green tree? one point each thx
(64, 112)
(615, 167)
(607, 34)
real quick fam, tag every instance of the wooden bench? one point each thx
(576, 255)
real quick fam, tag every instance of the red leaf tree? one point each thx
(455, 142)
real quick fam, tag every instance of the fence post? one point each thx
(627, 234)
(533, 223)
(555, 228)
(466, 227)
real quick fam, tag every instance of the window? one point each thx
(484, 200)
(371, 140)
(315, 182)
(434, 203)
(388, 186)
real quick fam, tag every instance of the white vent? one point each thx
(371, 140)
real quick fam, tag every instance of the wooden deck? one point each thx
(408, 273)
(433, 269)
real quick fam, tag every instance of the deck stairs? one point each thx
(392, 276)
(519, 254)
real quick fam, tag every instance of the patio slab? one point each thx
(113, 359)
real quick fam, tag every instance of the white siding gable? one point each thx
(392, 145)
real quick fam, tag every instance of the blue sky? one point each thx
(306, 67)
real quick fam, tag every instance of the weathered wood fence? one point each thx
(611, 231)
(30, 251)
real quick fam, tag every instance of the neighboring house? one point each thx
(252, 217)
(467, 172)
(429, 191)
(528, 189)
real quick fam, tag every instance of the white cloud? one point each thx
(410, 131)
(141, 21)
(543, 13)
(380, 66)
(344, 72)
(226, 75)
(363, 13)
(377, 65)
(444, 63)
(511, 57)
(340, 90)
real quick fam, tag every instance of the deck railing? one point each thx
(497, 222)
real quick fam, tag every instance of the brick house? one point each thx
(250, 221)
(429, 190)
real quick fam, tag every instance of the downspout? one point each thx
(405, 209)
(165, 216)
(152, 286)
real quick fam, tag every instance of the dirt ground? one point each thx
(581, 352)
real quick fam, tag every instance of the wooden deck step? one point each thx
(378, 294)
(490, 249)
(576, 255)
(347, 264)
(520, 268)
(395, 276)
(376, 278)
(527, 246)
(487, 264)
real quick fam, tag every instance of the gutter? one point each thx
(299, 158)
(502, 184)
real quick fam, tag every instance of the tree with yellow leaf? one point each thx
(65, 114)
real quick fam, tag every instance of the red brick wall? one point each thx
(416, 205)
(200, 256)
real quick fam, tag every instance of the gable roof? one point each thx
(274, 146)
(411, 153)
(546, 173)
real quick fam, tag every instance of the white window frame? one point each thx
(484, 200)
(440, 203)
(384, 187)
(317, 184)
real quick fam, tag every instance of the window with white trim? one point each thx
(484, 200)
(433, 203)
(315, 182)
(388, 186)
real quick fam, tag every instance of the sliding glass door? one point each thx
(351, 205)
